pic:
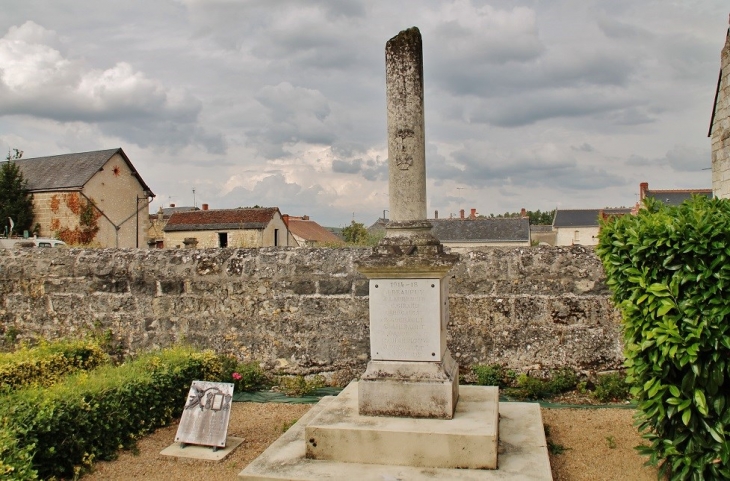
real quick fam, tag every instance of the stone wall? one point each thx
(305, 310)
(720, 128)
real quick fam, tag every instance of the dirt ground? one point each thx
(594, 444)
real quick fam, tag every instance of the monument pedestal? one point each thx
(373, 445)
(410, 389)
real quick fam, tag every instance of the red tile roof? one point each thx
(311, 231)
(242, 218)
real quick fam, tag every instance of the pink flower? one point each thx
(237, 376)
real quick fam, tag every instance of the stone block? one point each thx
(410, 389)
(468, 441)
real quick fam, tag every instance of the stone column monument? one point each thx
(411, 372)
(401, 420)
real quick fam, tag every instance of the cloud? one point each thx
(291, 115)
(37, 80)
(680, 158)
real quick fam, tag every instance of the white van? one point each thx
(30, 242)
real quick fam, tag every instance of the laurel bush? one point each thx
(669, 271)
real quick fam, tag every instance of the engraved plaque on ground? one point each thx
(207, 412)
(406, 320)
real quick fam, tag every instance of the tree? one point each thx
(536, 216)
(355, 233)
(16, 202)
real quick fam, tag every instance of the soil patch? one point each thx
(597, 444)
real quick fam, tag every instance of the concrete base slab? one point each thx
(468, 441)
(523, 454)
(203, 453)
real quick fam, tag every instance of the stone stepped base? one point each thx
(522, 447)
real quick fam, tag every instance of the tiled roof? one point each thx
(68, 171)
(168, 211)
(311, 231)
(221, 219)
(481, 230)
(583, 217)
(676, 197)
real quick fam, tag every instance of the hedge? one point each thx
(48, 363)
(90, 416)
(669, 270)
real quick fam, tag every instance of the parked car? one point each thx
(30, 242)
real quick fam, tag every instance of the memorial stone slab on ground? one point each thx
(207, 412)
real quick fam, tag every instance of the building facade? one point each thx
(720, 127)
(91, 198)
(243, 227)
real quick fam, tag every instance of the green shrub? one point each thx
(48, 363)
(529, 387)
(15, 462)
(493, 375)
(92, 415)
(669, 270)
(611, 387)
(246, 376)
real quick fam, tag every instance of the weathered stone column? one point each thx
(406, 141)
(411, 372)
(406, 135)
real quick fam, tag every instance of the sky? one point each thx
(234, 103)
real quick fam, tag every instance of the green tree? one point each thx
(16, 202)
(355, 233)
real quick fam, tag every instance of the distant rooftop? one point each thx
(242, 218)
(584, 217)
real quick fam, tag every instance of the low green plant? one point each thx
(286, 425)
(246, 376)
(48, 363)
(611, 387)
(669, 271)
(493, 375)
(529, 387)
(91, 415)
(298, 386)
(611, 442)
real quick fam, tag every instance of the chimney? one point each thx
(305, 217)
(172, 205)
(461, 213)
(523, 213)
(643, 187)
(205, 206)
(473, 214)
(436, 214)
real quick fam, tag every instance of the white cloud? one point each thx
(36, 79)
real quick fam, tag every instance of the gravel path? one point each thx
(598, 445)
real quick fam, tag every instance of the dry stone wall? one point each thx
(305, 310)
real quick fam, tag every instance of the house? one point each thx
(670, 197)
(719, 132)
(465, 234)
(306, 232)
(581, 226)
(91, 198)
(242, 227)
(158, 221)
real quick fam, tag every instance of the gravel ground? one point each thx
(597, 445)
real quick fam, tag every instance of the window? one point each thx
(276, 237)
(223, 239)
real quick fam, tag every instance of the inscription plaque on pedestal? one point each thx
(207, 412)
(408, 319)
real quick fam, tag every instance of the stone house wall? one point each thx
(243, 238)
(305, 310)
(586, 236)
(114, 191)
(720, 129)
